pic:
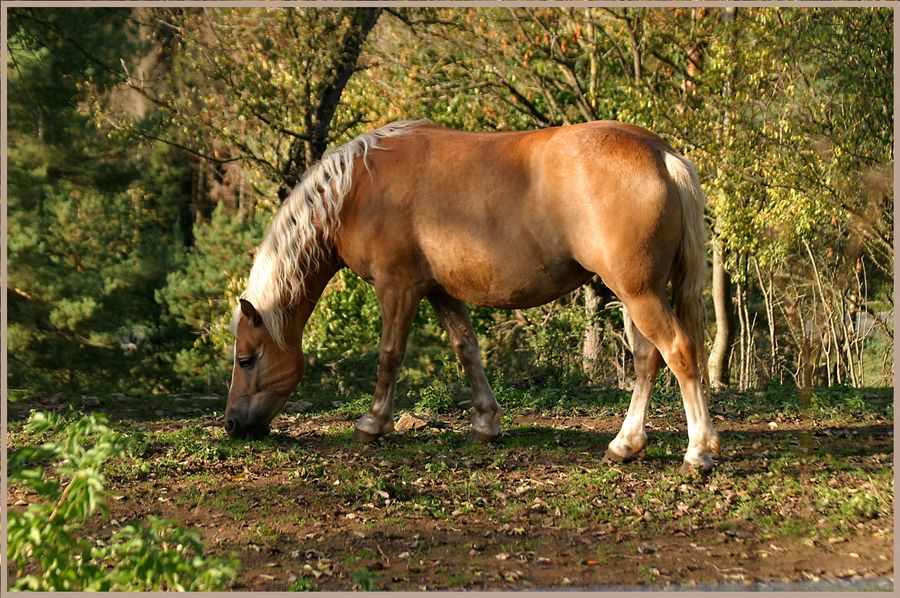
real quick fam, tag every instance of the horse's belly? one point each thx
(510, 283)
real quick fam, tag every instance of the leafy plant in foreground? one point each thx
(47, 542)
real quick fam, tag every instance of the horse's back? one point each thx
(501, 218)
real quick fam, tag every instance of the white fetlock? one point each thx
(618, 450)
(697, 460)
(486, 427)
(373, 426)
(626, 447)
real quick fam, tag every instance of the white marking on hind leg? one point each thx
(375, 426)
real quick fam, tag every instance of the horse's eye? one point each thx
(245, 362)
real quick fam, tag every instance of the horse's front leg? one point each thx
(398, 308)
(455, 317)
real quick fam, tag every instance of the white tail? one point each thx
(690, 274)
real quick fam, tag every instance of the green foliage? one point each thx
(201, 295)
(46, 541)
(357, 406)
(437, 398)
(302, 585)
(364, 579)
(93, 225)
(442, 392)
(347, 318)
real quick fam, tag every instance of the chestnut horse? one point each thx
(506, 219)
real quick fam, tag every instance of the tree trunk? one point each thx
(720, 355)
(593, 337)
(595, 295)
(304, 152)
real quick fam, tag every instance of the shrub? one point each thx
(47, 542)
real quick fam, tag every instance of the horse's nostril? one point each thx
(230, 426)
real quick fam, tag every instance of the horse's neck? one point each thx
(302, 310)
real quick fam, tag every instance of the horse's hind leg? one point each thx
(658, 323)
(398, 308)
(632, 438)
(455, 317)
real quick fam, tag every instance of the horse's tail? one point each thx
(689, 275)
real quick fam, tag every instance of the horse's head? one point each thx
(263, 376)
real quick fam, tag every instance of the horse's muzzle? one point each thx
(236, 429)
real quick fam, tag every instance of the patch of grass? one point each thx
(835, 404)
(356, 407)
(457, 580)
(231, 500)
(364, 579)
(792, 527)
(302, 585)
(354, 556)
(648, 574)
(265, 534)
(437, 398)
(188, 497)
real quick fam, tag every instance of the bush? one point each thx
(47, 543)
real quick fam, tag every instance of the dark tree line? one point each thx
(149, 148)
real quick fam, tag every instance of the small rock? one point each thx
(301, 407)
(212, 397)
(58, 398)
(337, 404)
(409, 422)
(90, 401)
(20, 503)
(116, 396)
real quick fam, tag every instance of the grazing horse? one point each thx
(503, 219)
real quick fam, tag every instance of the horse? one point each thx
(509, 219)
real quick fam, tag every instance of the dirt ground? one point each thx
(283, 511)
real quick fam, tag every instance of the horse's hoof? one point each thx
(697, 470)
(612, 457)
(365, 437)
(482, 437)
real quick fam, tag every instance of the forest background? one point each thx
(150, 147)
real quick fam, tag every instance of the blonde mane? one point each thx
(304, 228)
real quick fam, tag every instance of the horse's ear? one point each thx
(248, 310)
